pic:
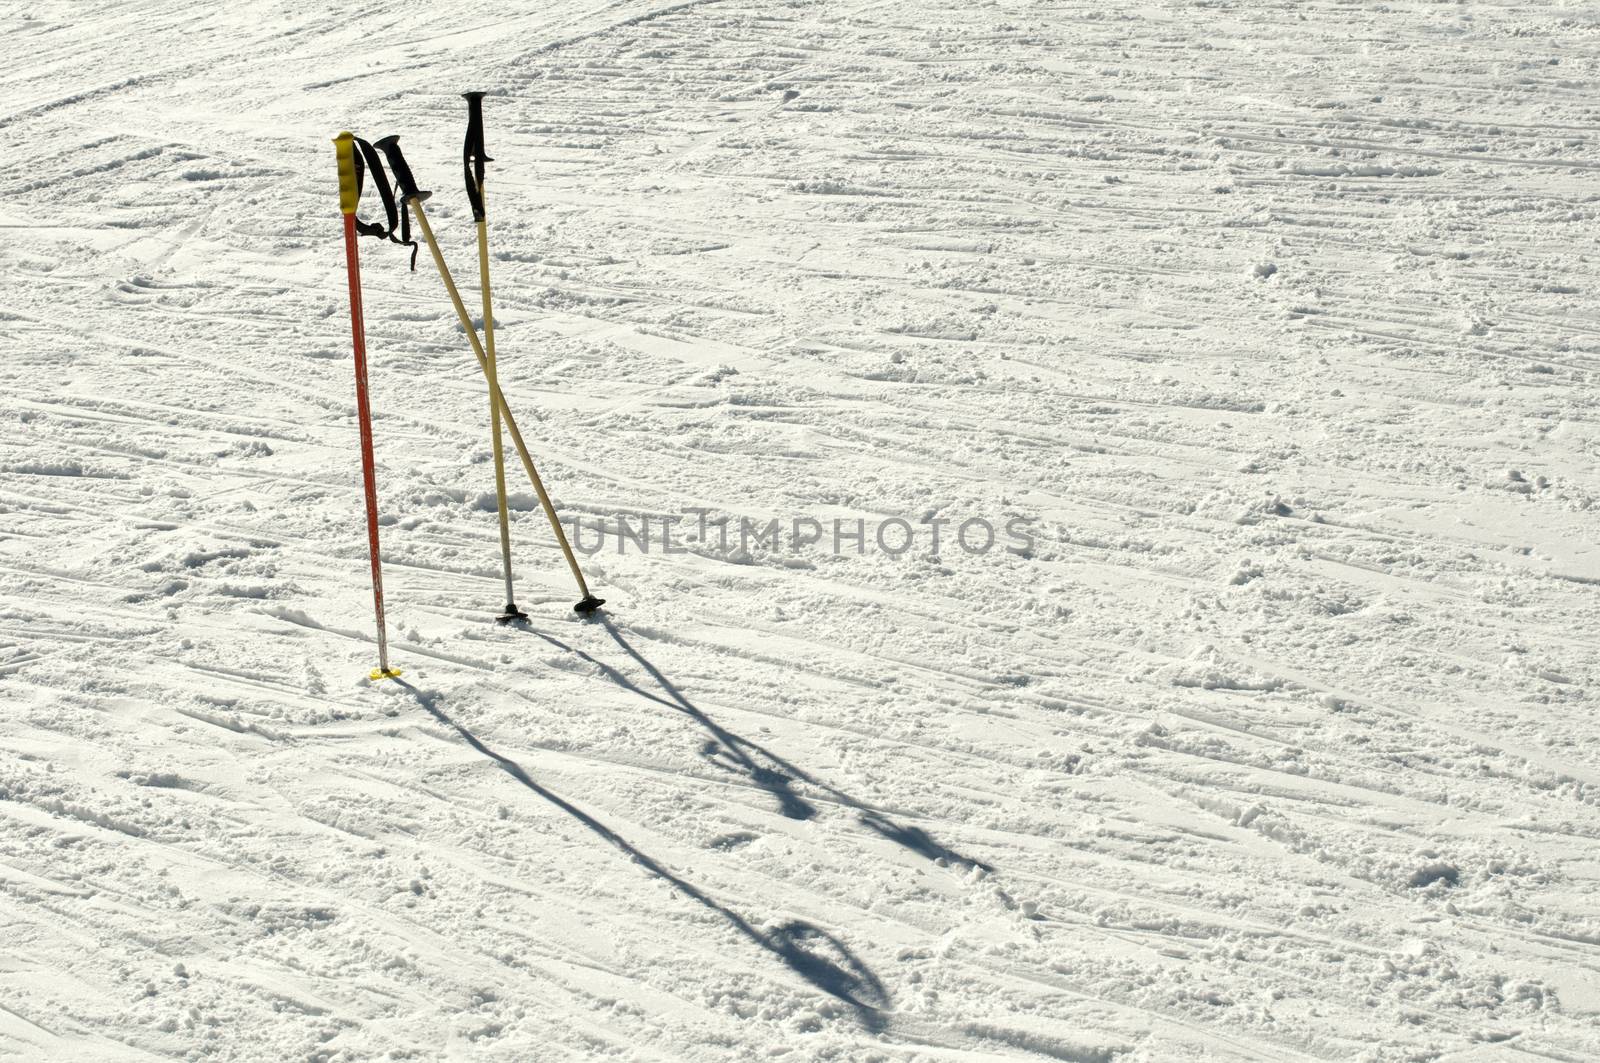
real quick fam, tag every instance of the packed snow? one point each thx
(1272, 326)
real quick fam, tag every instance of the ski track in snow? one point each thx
(1277, 319)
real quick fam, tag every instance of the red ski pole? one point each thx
(349, 194)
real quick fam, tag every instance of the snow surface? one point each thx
(1278, 320)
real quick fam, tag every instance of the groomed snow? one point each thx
(1276, 321)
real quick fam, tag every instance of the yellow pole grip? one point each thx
(345, 145)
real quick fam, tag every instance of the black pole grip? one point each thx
(390, 146)
(473, 153)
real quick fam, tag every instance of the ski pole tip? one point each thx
(588, 605)
(384, 673)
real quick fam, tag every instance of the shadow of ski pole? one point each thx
(776, 775)
(802, 947)
(743, 753)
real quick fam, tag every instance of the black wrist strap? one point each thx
(398, 221)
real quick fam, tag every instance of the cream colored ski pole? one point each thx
(473, 159)
(413, 197)
(511, 612)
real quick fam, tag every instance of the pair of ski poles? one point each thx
(474, 158)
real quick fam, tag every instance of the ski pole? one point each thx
(473, 158)
(410, 194)
(349, 195)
